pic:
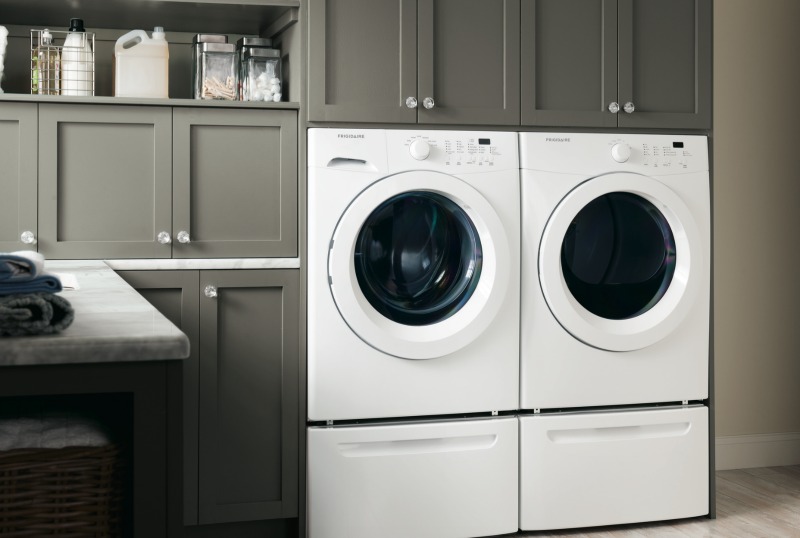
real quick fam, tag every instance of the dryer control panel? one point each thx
(597, 153)
(452, 151)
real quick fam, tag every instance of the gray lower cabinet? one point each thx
(414, 61)
(241, 394)
(18, 172)
(609, 63)
(160, 182)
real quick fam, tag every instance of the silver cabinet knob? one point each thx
(28, 237)
(629, 108)
(428, 103)
(164, 238)
(183, 237)
(210, 291)
(411, 102)
(613, 107)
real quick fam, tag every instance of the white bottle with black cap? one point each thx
(77, 61)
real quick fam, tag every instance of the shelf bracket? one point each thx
(279, 26)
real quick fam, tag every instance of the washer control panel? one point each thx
(453, 151)
(597, 153)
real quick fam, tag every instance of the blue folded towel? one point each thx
(23, 272)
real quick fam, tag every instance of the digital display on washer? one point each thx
(484, 141)
(677, 144)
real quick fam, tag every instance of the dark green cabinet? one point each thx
(18, 173)
(616, 63)
(241, 389)
(160, 182)
(414, 61)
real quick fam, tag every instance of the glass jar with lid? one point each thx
(215, 73)
(259, 70)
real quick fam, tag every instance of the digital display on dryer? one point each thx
(485, 141)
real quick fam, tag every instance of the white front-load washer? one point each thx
(413, 273)
(615, 269)
(413, 333)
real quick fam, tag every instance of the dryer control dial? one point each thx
(420, 149)
(621, 152)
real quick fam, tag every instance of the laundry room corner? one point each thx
(755, 199)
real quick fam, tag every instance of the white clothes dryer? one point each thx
(615, 269)
(413, 273)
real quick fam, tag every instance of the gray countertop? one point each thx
(113, 323)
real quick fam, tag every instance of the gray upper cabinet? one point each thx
(608, 63)
(235, 183)
(409, 61)
(105, 181)
(18, 170)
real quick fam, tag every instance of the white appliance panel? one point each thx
(592, 469)
(436, 480)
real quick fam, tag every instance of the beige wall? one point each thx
(757, 215)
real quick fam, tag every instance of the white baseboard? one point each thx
(761, 450)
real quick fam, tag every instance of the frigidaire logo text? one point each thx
(549, 139)
(351, 136)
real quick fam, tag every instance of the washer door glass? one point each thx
(419, 264)
(418, 258)
(621, 261)
(618, 256)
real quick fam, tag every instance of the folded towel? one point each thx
(51, 430)
(23, 272)
(34, 313)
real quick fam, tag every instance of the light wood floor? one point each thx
(759, 503)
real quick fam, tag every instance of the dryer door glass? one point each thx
(418, 258)
(618, 256)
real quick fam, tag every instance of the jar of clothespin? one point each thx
(215, 69)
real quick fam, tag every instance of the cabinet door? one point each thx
(362, 60)
(569, 62)
(174, 294)
(17, 175)
(235, 183)
(105, 188)
(469, 61)
(249, 407)
(665, 63)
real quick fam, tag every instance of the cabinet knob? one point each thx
(183, 237)
(411, 102)
(210, 291)
(28, 237)
(613, 107)
(164, 238)
(629, 107)
(428, 103)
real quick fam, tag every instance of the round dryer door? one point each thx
(620, 261)
(419, 265)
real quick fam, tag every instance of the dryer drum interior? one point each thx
(418, 258)
(618, 256)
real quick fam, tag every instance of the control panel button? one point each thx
(621, 152)
(420, 149)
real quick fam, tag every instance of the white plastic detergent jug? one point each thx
(141, 64)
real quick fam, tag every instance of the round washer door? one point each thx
(620, 261)
(418, 264)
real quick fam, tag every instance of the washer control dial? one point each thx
(420, 149)
(621, 152)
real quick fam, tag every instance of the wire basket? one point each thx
(61, 69)
(73, 491)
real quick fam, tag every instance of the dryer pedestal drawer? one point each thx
(590, 469)
(437, 479)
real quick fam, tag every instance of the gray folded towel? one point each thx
(34, 313)
(23, 272)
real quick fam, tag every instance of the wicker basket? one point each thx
(66, 492)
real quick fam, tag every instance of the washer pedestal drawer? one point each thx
(591, 469)
(439, 479)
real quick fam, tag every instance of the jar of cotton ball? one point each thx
(260, 71)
